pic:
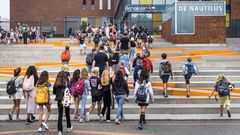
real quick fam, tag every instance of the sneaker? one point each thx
(166, 96)
(69, 129)
(229, 114)
(122, 118)
(40, 130)
(10, 116)
(81, 120)
(75, 117)
(28, 121)
(108, 121)
(100, 117)
(144, 123)
(188, 96)
(140, 126)
(33, 118)
(117, 121)
(59, 133)
(87, 116)
(45, 126)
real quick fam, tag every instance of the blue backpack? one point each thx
(141, 94)
(190, 69)
(223, 88)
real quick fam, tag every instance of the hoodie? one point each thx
(161, 72)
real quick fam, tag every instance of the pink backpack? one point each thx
(28, 83)
(78, 88)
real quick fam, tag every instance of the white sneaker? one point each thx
(40, 130)
(87, 116)
(59, 133)
(117, 121)
(81, 120)
(69, 129)
(100, 117)
(45, 126)
(108, 121)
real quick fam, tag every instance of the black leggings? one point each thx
(60, 116)
(107, 104)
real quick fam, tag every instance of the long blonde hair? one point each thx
(105, 79)
(84, 74)
(222, 78)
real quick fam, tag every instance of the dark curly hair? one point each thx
(144, 76)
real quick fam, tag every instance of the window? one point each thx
(84, 3)
(158, 2)
(92, 4)
(100, 4)
(109, 4)
(135, 2)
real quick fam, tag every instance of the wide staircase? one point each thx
(211, 61)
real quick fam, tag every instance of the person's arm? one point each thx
(88, 85)
(93, 64)
(215, 89)
(127, 71)
(160, 70)
(54, 90)
(151, 94)
(126, 88)
(151, 67)
(171, 74)
(106, 59)
(184, 69)
(135, 89)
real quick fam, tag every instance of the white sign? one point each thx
(200, 8)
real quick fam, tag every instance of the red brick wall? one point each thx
(208, 29)
(166, 33)
(235, 9)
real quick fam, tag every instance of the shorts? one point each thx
(82, 46)
(96, 98)
(17, 95)
(187, 78)
(142, 104)
(225, 100)
(165, 78)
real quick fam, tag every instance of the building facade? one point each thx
(62, 13)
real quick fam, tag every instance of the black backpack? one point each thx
(141, 94)
(11, 88)
(90, 58)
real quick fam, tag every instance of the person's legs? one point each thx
(142, 117)
(67, 112)
(49, 110)
(120, 102)
(104, 103)
(108, 104)
(17, 108)
(40, 116)
(99, 106)
(221, 110)
(92, 107)
(60, 115)
(76, 112)
(83, 105)
(14, 106)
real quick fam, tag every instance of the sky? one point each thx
(5, 8)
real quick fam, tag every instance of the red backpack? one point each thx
(65, 56)
(122, 68)
(78, 88)
(147, 64)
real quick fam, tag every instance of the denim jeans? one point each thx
(131, 54)
(83, 99)
(120, 101)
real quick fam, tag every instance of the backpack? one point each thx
(42, 95)
(147, 52)
(68, 99)
(65, 56)
(90, 58)
(166, 67)
(141, 94)
(147, 64)
(190, 69)
(78, 88)
(122, 69)
(28, 83)
(11, 88)
(223, 88)
(115, 58)
(150, 39)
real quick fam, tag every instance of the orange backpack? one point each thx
(65, 56)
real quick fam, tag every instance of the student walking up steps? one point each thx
(120, 90)
(15, 93)
(42, 98)
(165, 71)
(224, 88)
(58, 90)
(144, 95)
(188, 70)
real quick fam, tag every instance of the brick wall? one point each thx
(235, 9)
(53, 12)
(166, 33)
(208, 29)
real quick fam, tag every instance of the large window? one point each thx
(84, 2)
(92, 4)
(100, 4)
(135, 2)
(109, 4)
